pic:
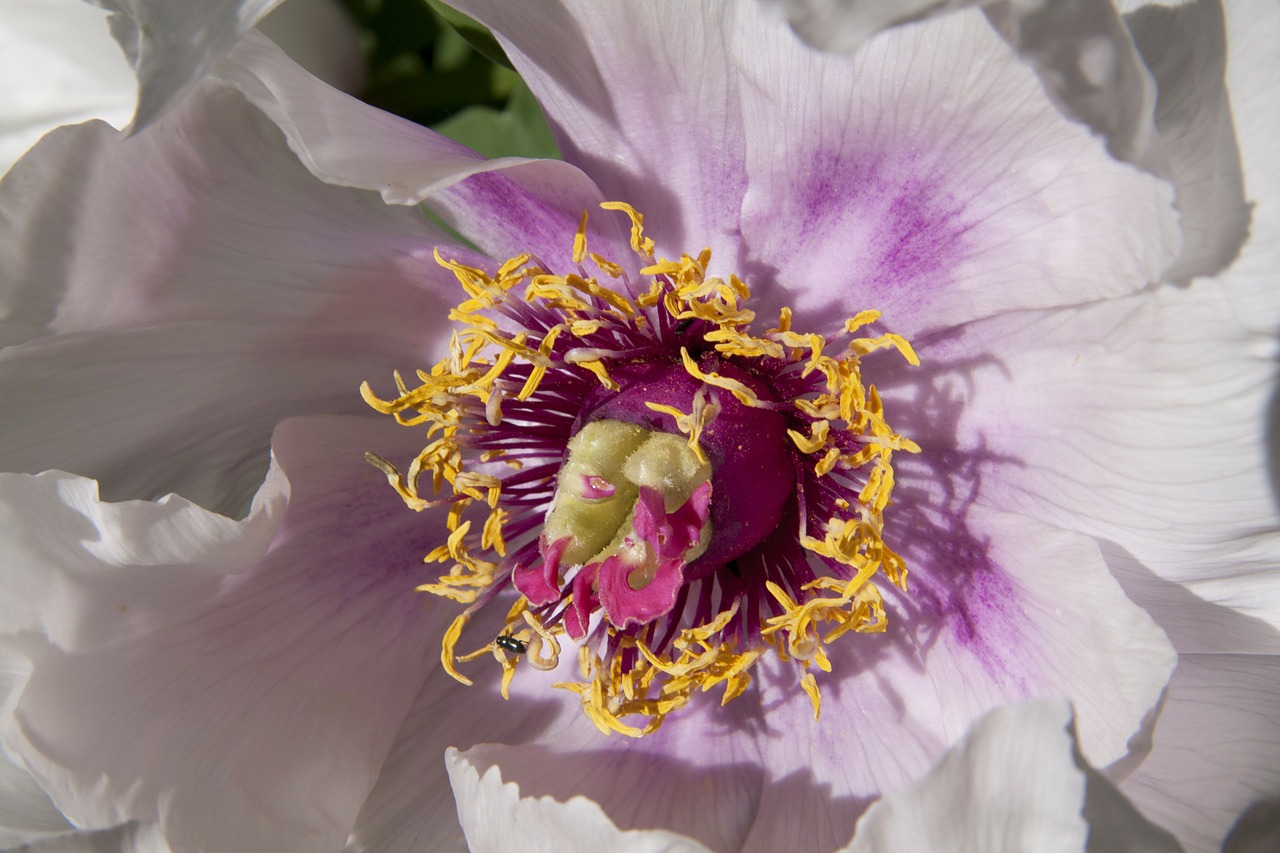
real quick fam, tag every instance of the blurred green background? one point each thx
(439, 68)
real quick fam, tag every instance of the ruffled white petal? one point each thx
(511, 205)
(1214, 771)
(496, 820)
(173, 45)
(58, 64)
(1081, 50)
(1143, 422)
(127, 838)
(188, 288)
(1186, 49)
(1253, 72)
(930, 178)
(238, 683)
(1011, 784)
(845, 25)
(644, 97)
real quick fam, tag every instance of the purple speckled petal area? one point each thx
(929, 177)
(190, 287)
(643, 96)
(1214, 769)
(239, 682)
(510, 205)
(1141, 421)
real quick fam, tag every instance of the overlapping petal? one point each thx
(188, 289)
(273, 659)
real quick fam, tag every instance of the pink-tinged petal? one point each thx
(1012, 784)
(645, 98)
(173, 45)
(1002, 608)
(509, 205)
(237, 682)
(929, 177)
(1142, 422)
(497, 819)
(188, 288)
(1214, 771)
(58, 65)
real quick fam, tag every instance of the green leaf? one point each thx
(474, 32)
(519, 130)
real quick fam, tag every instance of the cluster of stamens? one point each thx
(544, 364)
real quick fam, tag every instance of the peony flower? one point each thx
(1093, 337)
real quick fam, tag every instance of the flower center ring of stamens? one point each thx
(642, 474)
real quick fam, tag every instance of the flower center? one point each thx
(644, 475)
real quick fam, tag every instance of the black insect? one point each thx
(511, 644)
(683, 325)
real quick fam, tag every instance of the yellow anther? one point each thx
(744, 394)
(639, 242)
(580, 240)
(450, 642)
(810, 686)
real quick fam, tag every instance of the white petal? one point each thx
(173, 44)
(1253, 72)
(26, 812)
(191, 287)
(844, 25)
(512, 205)
(1011, 784)
(929, 177)
(644, 97)
(497, 820)
(58, 65)
(1000, 609)
(1143, 422)
(127, 838)
(1081, 50)
(1215, 767)
(698, 776)
(1186, 50)
(239, 683)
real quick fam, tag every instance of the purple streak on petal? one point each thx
(887, 220)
